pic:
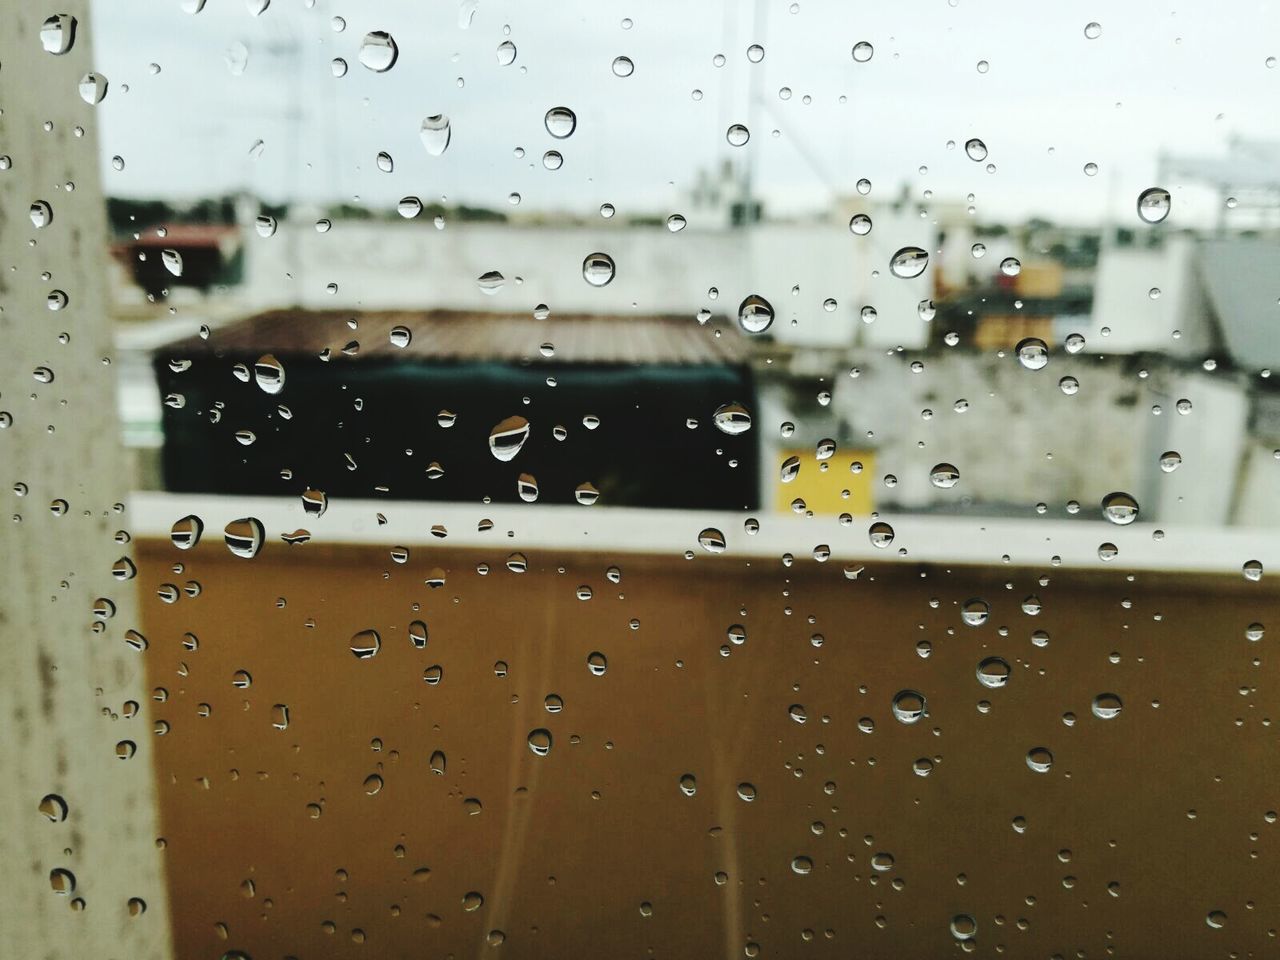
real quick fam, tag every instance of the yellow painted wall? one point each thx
(823, 491)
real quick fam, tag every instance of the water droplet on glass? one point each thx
(1039, 759)
(908, 706)
(1093, 30)
(1170, 460)
(506, 53)
(1252, 570)
(93, 87)
(1033, 353)
(527, 487)
(802, 866)
(860, 225)
(490, 282)
(976, 150)
(964, 927)
(863, 51)
(975, 612)
(539, 741)
(53, 807)
(944, 475)
(366, 644)
(508, 437)
(1154, 204)
(62, 881)
(676, 223)
(1216, 919)
(908, 262)
(1120, 508)
(435, 133)
(58, 33)
(560, 122)
(244, 537)
(994, 672)
(737, 135)
(880, 534)
(598, 269)
(623, 67)
(755, 314)
(41, 214)
(378, 51)
(1106, 706)
(712, 540)
(266, 226)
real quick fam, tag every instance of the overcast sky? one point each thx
(1157, 78)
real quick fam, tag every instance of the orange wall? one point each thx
(567, 847)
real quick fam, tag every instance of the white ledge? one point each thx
(925, 538)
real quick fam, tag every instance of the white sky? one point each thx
(1178, 79)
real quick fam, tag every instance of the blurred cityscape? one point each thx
(1153, 377)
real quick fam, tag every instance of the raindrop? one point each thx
(1252, 570)
(860, 224)
(623, 67)
(269, 374)
(1154, 204)
(539, 741)
(378, 51)
(560, 122)
(506, 53)
(172, 261)
(41, 214)
(435, 133)
(527, 487)
(880, 534)
(994, 672)
(1106, 706)
(755, 314)
(944, 475)
(93, 87)
(802, 866)
(1120, 508)
(1170, 460)
(1011, 266)
(1216, 919)
(737, 135)
(53, 807)
(1039, 759)
(908, 706)
(712, 540)
(366, 644)
(508, 437)
(597, 663)
(975, 612)
(244, 537)
(1093, 30)
(58, 33)
(62, 882)
(862, 52)
(964, 927)
(598, 269)
(908, 262)
(1033, 353)
(976, 150)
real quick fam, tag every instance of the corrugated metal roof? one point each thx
(455, 335)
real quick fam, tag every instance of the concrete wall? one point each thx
(65, 689)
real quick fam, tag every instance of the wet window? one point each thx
(743, 480)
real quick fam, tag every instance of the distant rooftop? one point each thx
(456, 335)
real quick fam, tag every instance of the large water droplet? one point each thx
(994, 672)
(269, 374)
(508, 437)
(93, 87)
(58, 33)
(1120, 508)
(880, 534)
(598, 269)
(366, 644)
(41, 214)
(908, 706)
(186, 532)
(506, 53)
(53, 807)
(1039, 759)
(539, 741)
(435, 133)
(378, 51)
(1033, 353)
(1154, 204)
(172, 261)
(755, 314)
(244, 537)
(908, 262)
(964, 927)
(863, 51)
(732, 418)
(944, 475)
(975, 612)
(737, 135)
(975, 149)
(712, 540)
(1106, 706)
(560, 122)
